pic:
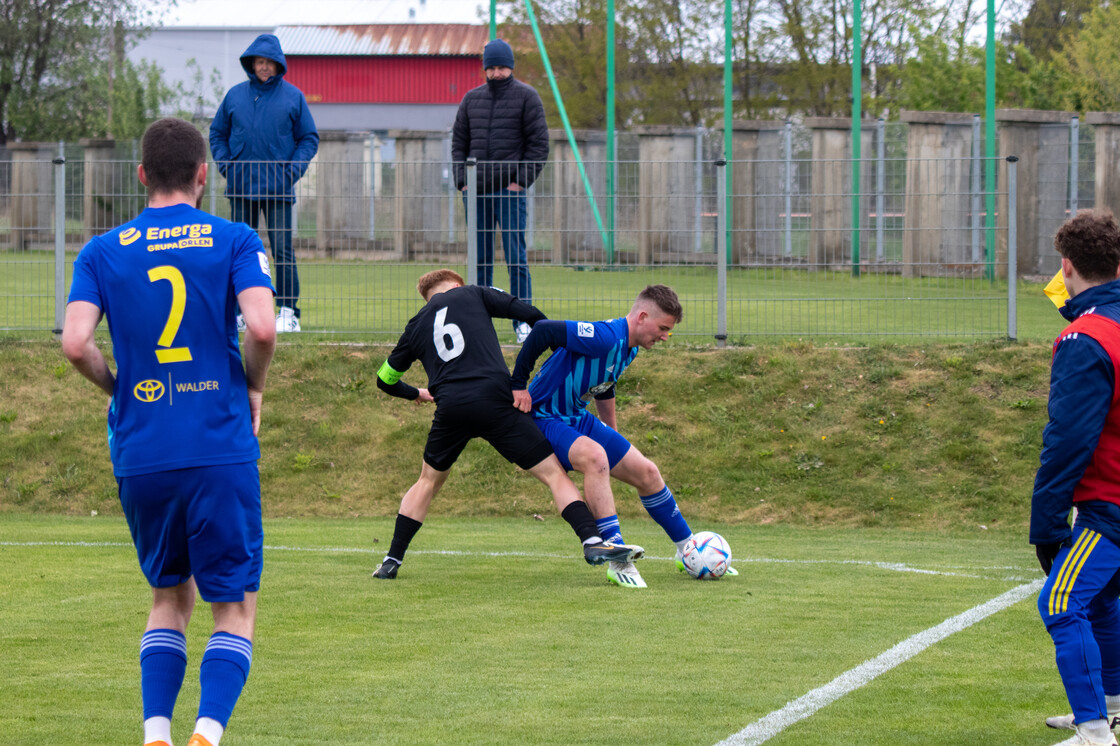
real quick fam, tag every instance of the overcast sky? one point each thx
(320, 12)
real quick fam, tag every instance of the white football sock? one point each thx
(210, 729)
(157, 729)
(1098, 730)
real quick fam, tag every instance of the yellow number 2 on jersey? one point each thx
(169, 354)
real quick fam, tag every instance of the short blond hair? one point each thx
(428, 281)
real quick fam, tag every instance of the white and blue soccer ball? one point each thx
(706, 556)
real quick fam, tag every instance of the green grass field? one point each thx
(368, 300)
(495, 633)
(875, 498)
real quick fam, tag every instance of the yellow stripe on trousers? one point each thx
(1067, 576)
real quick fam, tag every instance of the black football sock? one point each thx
(579, 518)
(402, 536)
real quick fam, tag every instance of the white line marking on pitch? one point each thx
(771, 725)
(889, 566)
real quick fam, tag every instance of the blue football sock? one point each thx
(609, 530)
(163, 663)
(225, 666)
(662, 507)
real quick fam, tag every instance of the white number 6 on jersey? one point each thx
(442, 331)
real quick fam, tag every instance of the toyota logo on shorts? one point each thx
(148, 391)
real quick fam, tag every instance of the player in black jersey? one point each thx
(453, 338)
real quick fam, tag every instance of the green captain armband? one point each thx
(388, 375)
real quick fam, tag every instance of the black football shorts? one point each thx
(510, 431)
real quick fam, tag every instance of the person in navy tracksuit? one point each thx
(1080, 468)
(262, 139)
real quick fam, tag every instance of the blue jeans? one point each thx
(278, 223)
(506, 209)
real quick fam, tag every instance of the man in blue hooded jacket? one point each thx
(262, 139)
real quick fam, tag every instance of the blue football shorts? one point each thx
(204, 521)
(562, 435)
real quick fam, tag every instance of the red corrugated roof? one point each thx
(388, 39)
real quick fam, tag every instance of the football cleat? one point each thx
(199, 740)
(732, 571)
(625, 574)
(157, 743)
(387, 570)
(605, 551)
(287, 321)
(1065, 722)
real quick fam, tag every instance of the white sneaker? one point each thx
(1060, 722)
(286, 321)
(1065, 722)
(521, 329)
(240, 323)
(1083, 739)
(625, 575)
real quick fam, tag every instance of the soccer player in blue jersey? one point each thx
(184, 414)
(588, 359)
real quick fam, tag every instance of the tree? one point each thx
(1047, 24)
(791, 58)
(575, 38)
(664, 52)
(200, 94)
(55, 71)
(1089, 63)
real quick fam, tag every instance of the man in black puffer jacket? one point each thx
(502, 124)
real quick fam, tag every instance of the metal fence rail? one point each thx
(764, 251)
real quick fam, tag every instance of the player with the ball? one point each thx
(587, 360)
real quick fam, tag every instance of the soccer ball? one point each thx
(706, 556)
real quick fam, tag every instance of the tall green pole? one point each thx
(727, 61)
(990, 147)
(493, 19)
(610, 165)
(857, 128)
(567, 125)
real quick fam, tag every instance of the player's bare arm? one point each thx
(80, 347)
(607, 412)
(259, 345)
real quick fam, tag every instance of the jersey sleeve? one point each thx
(84, 285)
(250, 261)
(403, 355)
(591, 338)
(502, 305)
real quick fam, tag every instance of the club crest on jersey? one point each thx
(263, 258)
(129, 236)
(584, 329)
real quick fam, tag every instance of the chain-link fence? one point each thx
(759, 247)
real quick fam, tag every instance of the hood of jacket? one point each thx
(265, 45)
(1089, 298)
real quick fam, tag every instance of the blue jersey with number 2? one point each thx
(167, 283)
(589, 363)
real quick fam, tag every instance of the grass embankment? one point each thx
(926, 437)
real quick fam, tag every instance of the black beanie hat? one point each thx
(497, 53)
